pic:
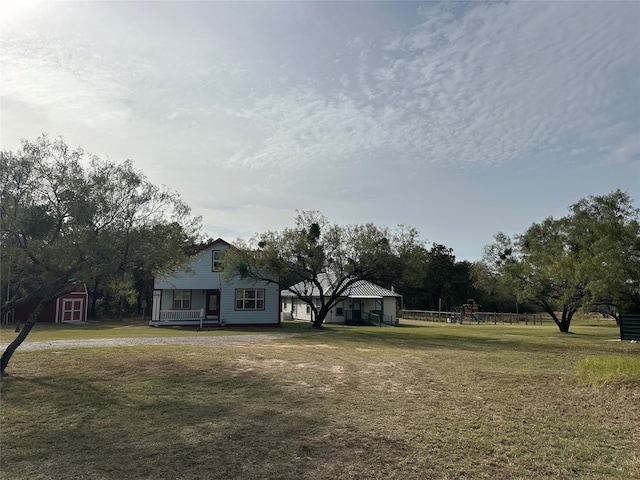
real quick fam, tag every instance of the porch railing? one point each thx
(169, 315)
(369, 318)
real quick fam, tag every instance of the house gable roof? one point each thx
(213, 243)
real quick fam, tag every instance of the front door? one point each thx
(213, 303)
(357, 310)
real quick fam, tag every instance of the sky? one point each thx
(460, 119)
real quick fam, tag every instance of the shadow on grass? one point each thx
(180, 423)
(487, 338)
(102, 330)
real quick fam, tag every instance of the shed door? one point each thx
(213, 303)
(72, 309)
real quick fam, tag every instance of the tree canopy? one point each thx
(589, 259)
(66, 215)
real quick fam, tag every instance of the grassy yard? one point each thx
(417, 401)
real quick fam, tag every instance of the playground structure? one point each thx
(468, 311)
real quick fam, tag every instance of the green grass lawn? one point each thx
(417, 401)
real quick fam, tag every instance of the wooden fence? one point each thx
(479, 317)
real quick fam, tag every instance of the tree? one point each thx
(589, 257)
(490, 291)
(314, 259)
(439, 276)
(605, 235)
(462, 287)
(413, 259)
(62, 221)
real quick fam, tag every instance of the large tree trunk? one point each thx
(567, 315)
(564, 322)
(94, 299)
(121, 305)
(322, 313)
(31, 321)
(319, 318)
(50, 296)
(563, 326)
(551, 313)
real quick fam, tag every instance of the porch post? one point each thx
(155, 307)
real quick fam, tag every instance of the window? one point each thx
(181, 299)
(249, 299)
(340, 309)
(217, 261)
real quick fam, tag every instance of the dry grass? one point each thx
(415, 402)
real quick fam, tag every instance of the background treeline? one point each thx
(429, 277)
(67, 215)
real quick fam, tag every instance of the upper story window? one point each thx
(217, 264)
(181, 299)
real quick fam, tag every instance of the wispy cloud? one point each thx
(483, 86)
(64, 78)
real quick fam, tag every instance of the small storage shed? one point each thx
(630, 326)
(71, 307)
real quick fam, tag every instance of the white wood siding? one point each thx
(270, 314)
(300, 312)
(300, 309)
(390, 307)
(200, 276)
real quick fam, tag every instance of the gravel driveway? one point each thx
(133, 341)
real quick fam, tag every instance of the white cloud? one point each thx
(628, 150)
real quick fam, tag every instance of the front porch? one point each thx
(186, 308)
(373, 317)
(185, 318)
(370, 310)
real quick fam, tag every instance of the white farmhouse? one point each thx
(197, 296)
